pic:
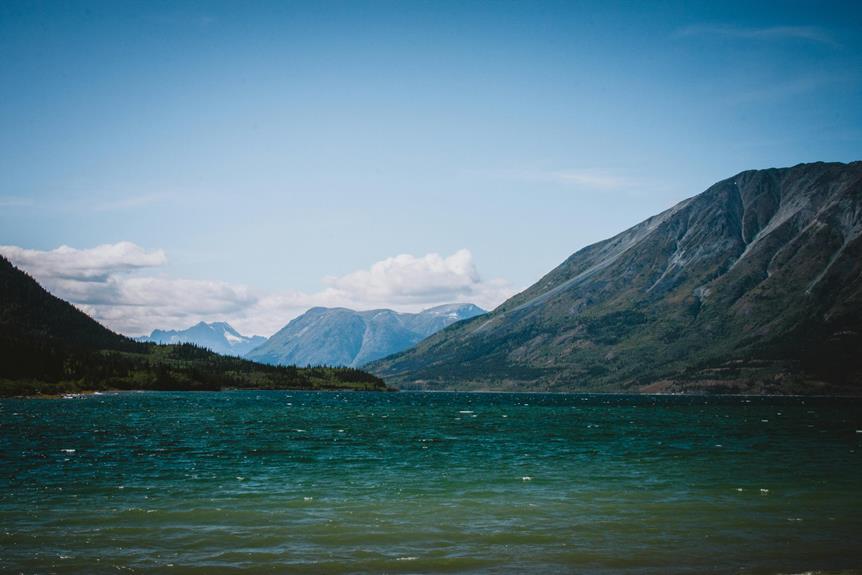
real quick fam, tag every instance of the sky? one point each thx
(169, 162)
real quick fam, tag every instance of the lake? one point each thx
(303, 482)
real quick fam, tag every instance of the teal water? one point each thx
(289, 482)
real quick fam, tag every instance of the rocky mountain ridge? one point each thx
(754, 285)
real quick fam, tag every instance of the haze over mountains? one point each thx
(340, 336)
(219, 337)
(754, 285)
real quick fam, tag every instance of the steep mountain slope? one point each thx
(49, 346)
(754, 285)
(29, 312)
(339, 336)
(219, 337)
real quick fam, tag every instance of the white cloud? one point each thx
(407, 279)
(588, 179)
(102, 282)
(95, 264)
(137, 305)
(404, 282)
(807, 33)
(594, 179)
(105, 282)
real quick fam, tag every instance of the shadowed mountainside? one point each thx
(754, 285)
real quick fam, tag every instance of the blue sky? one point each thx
(280, 151)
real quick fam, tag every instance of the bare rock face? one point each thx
(754, 285)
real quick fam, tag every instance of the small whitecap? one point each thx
(68, 450)
(407, 559)
(307, 498)
(764, 491)
(739, 489)
(465, 411)
(239, 478)
(526, 478)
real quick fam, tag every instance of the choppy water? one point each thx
(287, 482)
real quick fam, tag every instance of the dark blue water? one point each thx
(288, 482)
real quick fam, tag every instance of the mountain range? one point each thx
(340, 336)
(753, 286)
(219, 337)
(48, 346)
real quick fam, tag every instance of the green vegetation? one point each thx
(47, 346)
(34, 370)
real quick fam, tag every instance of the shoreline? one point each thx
(88, 393)
(91, 392)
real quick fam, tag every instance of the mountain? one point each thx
(754, 286)
(47, 346)
(340, 336)
(29, 313)
(219, 337)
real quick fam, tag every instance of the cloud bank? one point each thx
(94, 264)
(110, 283)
